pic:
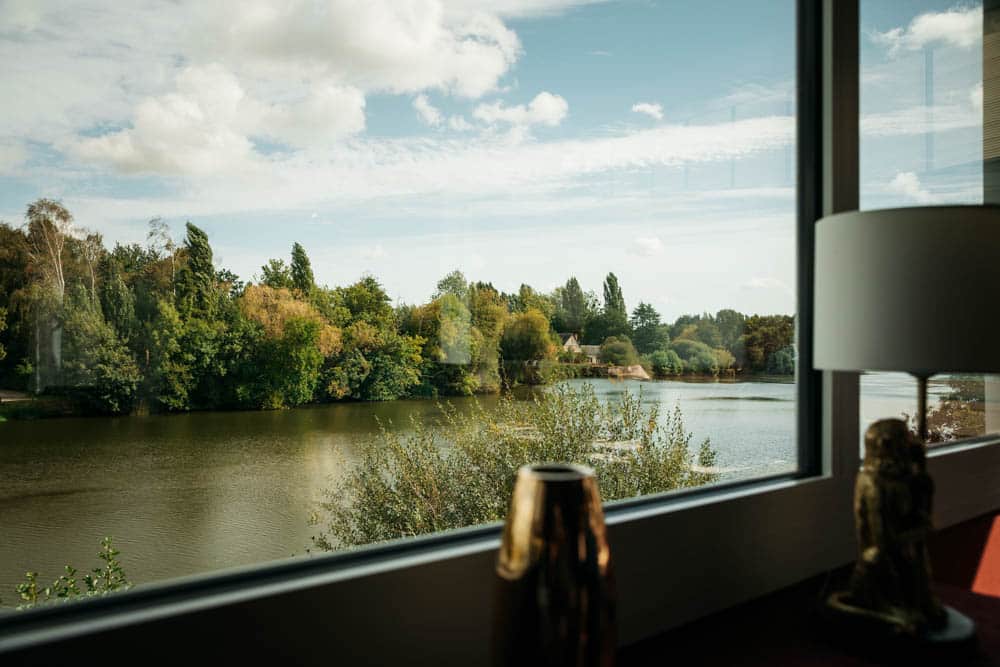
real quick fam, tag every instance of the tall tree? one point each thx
(50, 226)
(614, 302)
(160, 240)
(276, 274)
(453, 283)
(196, 279)
(573, 307)
(301, 270)
(648, 334)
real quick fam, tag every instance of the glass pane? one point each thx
(320, 275)
(923, 142)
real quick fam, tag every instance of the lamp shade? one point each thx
(908, 289)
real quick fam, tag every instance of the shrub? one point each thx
(666, 363)
(618, 351)
(108, 578)
(461, 471)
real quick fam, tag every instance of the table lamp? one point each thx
(914, 290)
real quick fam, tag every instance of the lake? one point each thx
(188, 493)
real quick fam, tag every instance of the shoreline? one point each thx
(29, 408)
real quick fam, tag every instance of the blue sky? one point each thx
(517, 140)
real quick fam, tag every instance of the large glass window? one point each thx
(923, 142)
(307, 276)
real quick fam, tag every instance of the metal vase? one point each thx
(555, 590)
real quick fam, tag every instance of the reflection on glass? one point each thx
(922, 143)
(244, 260)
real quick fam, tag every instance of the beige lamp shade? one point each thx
(908, 289)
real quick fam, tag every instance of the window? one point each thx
(266, 248)
(924, 141)
(427, 597)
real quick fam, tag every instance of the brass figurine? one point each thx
(892, 508)
(555, 595)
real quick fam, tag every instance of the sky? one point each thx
(520, 141)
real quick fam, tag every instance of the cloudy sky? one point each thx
(516, 140)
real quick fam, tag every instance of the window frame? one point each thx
(428, 599)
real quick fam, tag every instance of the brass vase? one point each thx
(555, 591)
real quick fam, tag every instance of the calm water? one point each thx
(183, 494)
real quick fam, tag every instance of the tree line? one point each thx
(157, 326)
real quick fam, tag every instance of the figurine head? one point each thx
(888, 445)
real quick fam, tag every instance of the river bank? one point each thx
(20, 406)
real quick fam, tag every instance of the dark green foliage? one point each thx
(276, 274)
(574, 309)
(782, 362)
(618, 352)
(665, 363)
(196, 279)
(408, 484)
(614, 302)
(648, 333)
(301, 270)
(3, 326)
(96, 364)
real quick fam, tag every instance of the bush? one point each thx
(618, 351)
(461, 471)
(108, 578)
(782, 362)
(666, 363)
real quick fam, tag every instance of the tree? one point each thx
(301, 270)
(49, 227)
(574, 310)
(196, 279)
(276, 274)
(731, 324)
(697, 357)
(527, 338)
(453, 283)
(614, 302)
(160, 240)
(648, 334)
(97, 364)
(782, 362)
(666, 362)
(618, 352)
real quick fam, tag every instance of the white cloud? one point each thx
(917, 120)
(652, 110)
(208, 122)
(428, 113)
(600, 53)
(908, 184)
(459, 124)
(960, 27)
(647, 246)
(399, 46)
(544, 109)
(976, 96)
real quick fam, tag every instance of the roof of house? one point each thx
(563, 337)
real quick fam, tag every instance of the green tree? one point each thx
(666, 362)
(614, 302)
(574, 309)
(454, 283)
(648, 334)
(97, 365)
(697, 356)
(782, 362)
(527, 338)
(618, 352)
(301, 270)
(196, 279)
(731, 324)
(276, 274)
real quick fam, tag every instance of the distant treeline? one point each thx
(159, 327)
